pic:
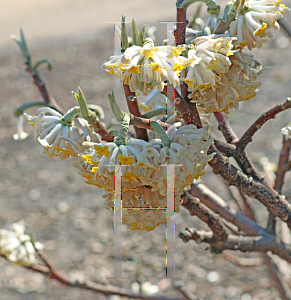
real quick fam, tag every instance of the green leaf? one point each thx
(141, 35)
(114, 107)
(43, 61)
(124, 39)
(135, 34)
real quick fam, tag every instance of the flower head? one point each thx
(17, 246)
(58, 136)
(255, 20)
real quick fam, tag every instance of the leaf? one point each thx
(124, 39)
(42, 61)
(135, 34)
(141, 35)
(114, 107)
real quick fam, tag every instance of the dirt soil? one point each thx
(68, 216)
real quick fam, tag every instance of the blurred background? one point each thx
(67, 215)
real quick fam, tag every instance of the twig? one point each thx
(42, 88)
(239, 154)
(233, 242)
(206, 215)
(133, 107)
(278, 278)
(241, 261)
(225, 128)
(251, 228)
(99, 128)
(185, 292)
(247, 136)
(283, 167)
(187, 109)
(225, 148)
(50, 271)
(274, 202)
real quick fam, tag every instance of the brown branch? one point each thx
(225, 148)
(198, 209)
(187, 109)
(181, 25)
(248, 226)
(247, 136)
(233, 242)
(278, 277)
(42, 88)
(225, 128)
(283, 167)
(50, 272)
(100, 129)
(239, 154)
(274, 202)
(145, 123)
(133, 107)
(251, 228)
(241, 261)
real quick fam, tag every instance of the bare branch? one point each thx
(50, 272)
(205, 214)
(247, 136)
(133, 107)
(274, 202)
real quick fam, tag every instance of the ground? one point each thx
(67, 215)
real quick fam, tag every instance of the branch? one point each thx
(187, 109)
(283, 167)
(251, 228)
(239, 154)
(42, 88)
(99, 128)
(225, 148)
(241, 261)
(247, 137)
(133, 107)
(145, 123)
(50, 272)
(225, 128)
(274, 202)
(205, 214)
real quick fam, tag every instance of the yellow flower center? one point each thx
(126, 160)
(102, 150)
(148, 53)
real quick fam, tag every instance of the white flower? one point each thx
(20, 135)
(60, 136)
(287, 131)
(255, 20)
(144, 175)
(148, 67)
(16, 246)
(238, 84)
(210, 61)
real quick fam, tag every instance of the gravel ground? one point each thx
(68, 216)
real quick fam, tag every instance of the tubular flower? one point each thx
(153, 101)
(145, 68)
(287, 131)
(238, 84)
(255, 20)
(17, 246)
(144, 176)
(142, 208)
(58, 136)
(210, 61)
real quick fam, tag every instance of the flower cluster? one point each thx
(59, 135)
(147, 67)
(255, 20)
(17, 246)
(238, 84)
(144, 175)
